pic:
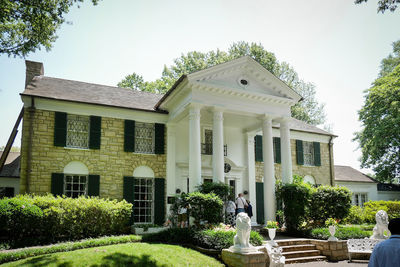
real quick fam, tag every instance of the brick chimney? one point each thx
(33, 69)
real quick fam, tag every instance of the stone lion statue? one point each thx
(242, 238)
(381, 226)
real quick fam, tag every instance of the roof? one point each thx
(12, 165)
(348, 174)
(301, 126)
(68, 90)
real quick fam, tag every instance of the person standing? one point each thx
(387, 253)
(241, 204)
(249, 209)
(230, 212)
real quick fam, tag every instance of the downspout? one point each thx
(332, 174)
(31, 113)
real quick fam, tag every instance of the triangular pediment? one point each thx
(244, 74)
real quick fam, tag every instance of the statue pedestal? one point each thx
(251, 258)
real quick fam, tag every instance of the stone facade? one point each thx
(321, 174)
(110, 161)
(333, 250)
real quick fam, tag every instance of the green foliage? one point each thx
(209, 238)
(222, 190)
(26, 26)
(296, 198)
(272, 225)
(392, 61)
(383, 5)
(355, 216)
(331, 221)
(75, 218)
(379, 137)
(372, 207)
(329, 202)
(308, 110)
(205, 207)
(8, 256)
(342, 233)
(18, 219)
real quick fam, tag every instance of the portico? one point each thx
(235, 100)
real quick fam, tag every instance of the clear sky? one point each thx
(336, 44)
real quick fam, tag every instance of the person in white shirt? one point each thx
(241, 204)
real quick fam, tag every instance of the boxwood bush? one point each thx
(372, 207)
(342, 233)
(205, 207)
(355, 216)
(62, 218)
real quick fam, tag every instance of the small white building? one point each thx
(9, 175)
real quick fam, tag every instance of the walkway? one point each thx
(331, 264)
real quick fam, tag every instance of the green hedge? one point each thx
(355, 216)
(210, 239)
(342, 233)
(371, 207)
(205, 207)
(64, 218)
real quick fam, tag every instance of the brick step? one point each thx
(291, 242)
(305, 259)
(301, 254)
(298, 247)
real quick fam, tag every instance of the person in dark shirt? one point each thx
(249, 209)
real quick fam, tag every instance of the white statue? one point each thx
(242, 238)
(381, 226)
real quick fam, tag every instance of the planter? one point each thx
(150, 230)
(272, 234)
(332, 231)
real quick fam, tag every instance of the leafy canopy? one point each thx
(383, 5)
(380, 136)
(26, 26)
(308, 110)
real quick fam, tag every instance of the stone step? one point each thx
(305, 259)
(301, 254)
(298, 247)
(291, 242)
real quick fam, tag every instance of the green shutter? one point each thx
(95, 132)
(159, 201)
(260, 203)
(317, 154)
(159, 131)
(129, 136)
(60, 129)
(129, 192)
(277, 150)
(94, 185)
(258, 148)
(299, 152)
(57, 184)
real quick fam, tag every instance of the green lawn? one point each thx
(131, 254)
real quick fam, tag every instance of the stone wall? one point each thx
(321, 173)
(110, 161)
(333, 250)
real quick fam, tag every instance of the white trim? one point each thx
(76, 168)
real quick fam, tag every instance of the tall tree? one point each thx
(308, 110)
(380, 136)
(383, 5)
(388, 64)
(27, 25)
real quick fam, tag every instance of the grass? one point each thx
(6, 256)
(131, 254)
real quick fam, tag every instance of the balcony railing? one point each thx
(207, 149)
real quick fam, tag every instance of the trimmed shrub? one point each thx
(171, 236)
(342, 233)
(205, 207)
(296, 197)
(372, 207)
(76, 218)
(19, 219)
(355, 216)
(220, 189)
(219, 239)
(329, 202)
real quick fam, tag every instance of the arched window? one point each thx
(143, 194)
(309, 179)
(75, 179)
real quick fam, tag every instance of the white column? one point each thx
(269, 172)
(251, 174)
(194, 147)
(218, 146)
(171, 159)
(286, 154)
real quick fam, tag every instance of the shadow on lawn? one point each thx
(120, 259)
(46, 260)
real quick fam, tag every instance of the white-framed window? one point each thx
(77, 131)
(75, 185)
(144, 137)
(308, 152)
(359, 199)
(143, 200)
